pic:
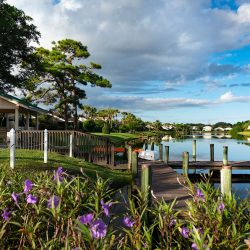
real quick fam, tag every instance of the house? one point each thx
(219, 129)
(168, 127)
(17, 113)
(207, 128)
(228, 129)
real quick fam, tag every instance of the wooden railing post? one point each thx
(226, 180)
(211, 152)
(45, 146)
(160, 152)
(225, 155)
(129, 157)
(12, 148)
(185, 162)
(134, 164)
(71, 145)
(166, 158)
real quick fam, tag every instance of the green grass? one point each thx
(30, 161)
(245, 133)
(118, 138)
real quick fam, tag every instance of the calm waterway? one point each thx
(238, 150)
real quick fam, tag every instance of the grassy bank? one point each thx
(119, 138)
(31, 161)
(247, 133)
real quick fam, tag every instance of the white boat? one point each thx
(149, 155)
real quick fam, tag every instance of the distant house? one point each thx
(195, 128)
(228, 129)
(219, 129)
(168, 127)
(248, 128)
(207, 128)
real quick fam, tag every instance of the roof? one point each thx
(22, 103)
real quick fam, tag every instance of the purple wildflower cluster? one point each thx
(97, 227)
(53, 202)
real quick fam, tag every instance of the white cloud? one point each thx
(229, 97)
(143, 40)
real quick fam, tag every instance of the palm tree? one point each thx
(89, 112)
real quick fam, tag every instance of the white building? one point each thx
(207, 128)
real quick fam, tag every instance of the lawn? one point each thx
(119, 138)
(247, 133)
(31, 161)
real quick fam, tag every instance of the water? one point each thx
(238, 150)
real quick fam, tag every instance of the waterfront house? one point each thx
(207, 128)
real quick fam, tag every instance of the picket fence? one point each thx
(92, 148)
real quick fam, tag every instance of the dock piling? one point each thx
(166, 158)
(185, 162)
(226, 180)
(225, 155)
(146, 181)
(194, 150)
(134, 164)
(160, 152)
(211, 152)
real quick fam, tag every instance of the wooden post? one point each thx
(70, 145)
(16, 119)
(134, 164)
(146, 145)
(146, 179)
(45, 146)
(226, 180)
(194, 149)
(185, 161)
(160, 152)
(129, 157)
(225, 155)
(166, 158)
(152, 146)
(211, 152)
(12, 148)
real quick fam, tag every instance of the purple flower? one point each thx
(221, 207)
(86, 219)
(199, 194)
(6, 214)
(185, 232)
(27, 186)
(98, 229)
(128, 222)
(172, 222)
(58, 175)
(106, 207)
(194, 246)
(15, 197)
(31, 199)
(53, 202)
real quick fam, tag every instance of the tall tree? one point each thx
(108, 114)
(89, 112)
(16, 34)
(60, 75)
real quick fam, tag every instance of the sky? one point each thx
(181, 61)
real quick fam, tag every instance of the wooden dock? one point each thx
(211, 165)
(165, 184)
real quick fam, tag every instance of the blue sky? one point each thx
(172, 60)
